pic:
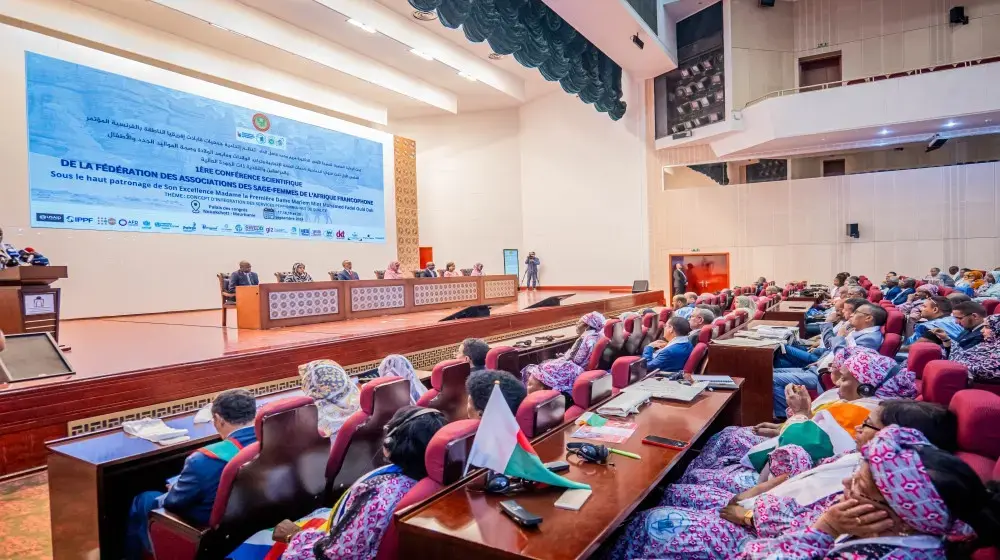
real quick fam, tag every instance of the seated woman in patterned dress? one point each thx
(353, 529)
(561, 372)
(703, 521)
(719, 462)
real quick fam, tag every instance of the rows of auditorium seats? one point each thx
(292, 469)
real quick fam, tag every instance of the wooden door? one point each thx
(706, 272)
(817, 70)
(426, 256)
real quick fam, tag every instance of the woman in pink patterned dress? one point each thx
(477, 270)
(392, 272)
(561, 372)
(449, 271)
(362, 515)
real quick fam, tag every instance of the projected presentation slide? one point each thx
(108, 152)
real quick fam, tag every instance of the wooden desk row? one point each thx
(461, 522)
(283, 304)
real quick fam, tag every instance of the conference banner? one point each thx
(108, 152)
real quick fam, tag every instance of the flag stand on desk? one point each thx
(502, 447)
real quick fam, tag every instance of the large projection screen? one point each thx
(108, 152)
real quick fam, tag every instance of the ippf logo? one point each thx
(261, 122)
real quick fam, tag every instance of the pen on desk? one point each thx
(624, 453)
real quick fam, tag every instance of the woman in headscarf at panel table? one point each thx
(477, 270)
(709, 519)
(849, 403)
(336, 394)
(392, 272)
(560, 373)
(395, 365)
(298, 274)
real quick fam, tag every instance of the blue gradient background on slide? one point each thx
(100, 121)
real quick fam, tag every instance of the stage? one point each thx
(160, 364)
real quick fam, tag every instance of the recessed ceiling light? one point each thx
(950, 124)
(421, 54)
(468, 76)
(425, 16)
(361, 25)
(496, 56)
(884, 131)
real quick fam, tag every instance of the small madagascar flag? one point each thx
(500, 446)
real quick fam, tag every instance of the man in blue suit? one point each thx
(347, 273)
(671, 353)
(192, 494)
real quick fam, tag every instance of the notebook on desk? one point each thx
(716, 381)
(659, 388)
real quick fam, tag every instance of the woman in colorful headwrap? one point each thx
(968, 283)
(907, 499)
(395, 365)
(719, 463)
(298, 274)
(336, 394)
(560, 373)
(392, 272)
(477, 270)
(991, 288)
(706, 522)
(983, 359)
(355, 526)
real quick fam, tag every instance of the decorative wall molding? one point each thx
(407, 227)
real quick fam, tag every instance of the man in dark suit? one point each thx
(347, 273)
(680, 279)
(430, 271)
(971, 316)
(192, 494)
(242, 277)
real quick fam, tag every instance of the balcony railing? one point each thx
(876, 78)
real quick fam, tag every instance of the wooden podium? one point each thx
(28, 302)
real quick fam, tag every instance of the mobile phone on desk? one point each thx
(557, 466)
(658, 441)
(520, 515)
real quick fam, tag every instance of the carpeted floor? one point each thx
(24, 519)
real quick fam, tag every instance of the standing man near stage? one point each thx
(347, 273)
(680, 280)
(242, 277)
(532, 263)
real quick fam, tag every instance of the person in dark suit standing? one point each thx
(192, 494)
(347, 273)
(430, 271)
(680, 279)
(242, 277)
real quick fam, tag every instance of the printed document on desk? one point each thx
(660, 388)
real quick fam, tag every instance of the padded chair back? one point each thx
(590, 388)
(890, 345)
(743, 315)
(665, 314)
(874, 295)
(626, 371)
(448, 393)
(597, 353)
(894, 321)
(540, 412)
(721, 326)
(944, 290)
(614, 331)
(357, 448)
(705, 334)
(651, 328)
(379, 274)
(731, 321)
(978, 414)
(758, 315)
(504, 358)
(633, 328)
(990, 305)
(698, 353)
(762, 304)
(942, 379)
(445, 459)
(921, 354)
(280, 276)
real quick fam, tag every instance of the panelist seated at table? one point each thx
(430, 271)
(450, 271)
(480, 384)
(192, 493)
(360, 518)
(242, 277)
(347, 273)
(392, 271)
(298, 274)
(477, 270)
(671, 353)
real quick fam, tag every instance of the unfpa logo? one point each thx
(261, 122)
